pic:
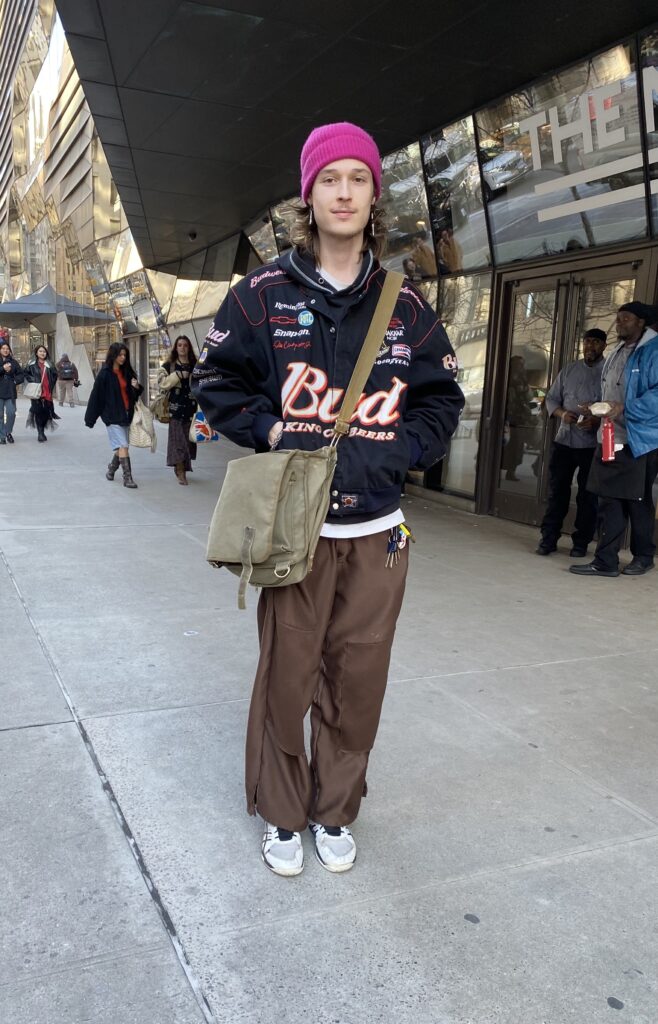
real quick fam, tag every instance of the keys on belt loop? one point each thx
(397, 542)
(392, 552)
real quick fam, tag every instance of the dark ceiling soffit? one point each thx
(94, 62)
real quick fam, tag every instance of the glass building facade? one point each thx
(522, 223)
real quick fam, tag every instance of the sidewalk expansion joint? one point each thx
(163, 913)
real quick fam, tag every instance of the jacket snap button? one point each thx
(335, 505)
(334, 494)
(332, 330)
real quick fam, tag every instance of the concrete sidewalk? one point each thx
(508, 849)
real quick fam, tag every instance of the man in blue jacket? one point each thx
(272, 373)
(629, 384)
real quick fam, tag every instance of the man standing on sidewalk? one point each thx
(629, 384)
(577, 385)
(272, 374)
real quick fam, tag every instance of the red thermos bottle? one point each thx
(608, 441)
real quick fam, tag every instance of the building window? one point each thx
(561, 161)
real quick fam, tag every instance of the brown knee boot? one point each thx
(179, 469)
(112, 466)
(127, 473)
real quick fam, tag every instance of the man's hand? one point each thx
(568, 417)
(616, 410)
(589, 423)
(274, 435)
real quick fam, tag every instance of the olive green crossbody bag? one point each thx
(267, 522)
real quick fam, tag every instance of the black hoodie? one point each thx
(8, 381)
(283, 346)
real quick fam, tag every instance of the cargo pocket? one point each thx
(361, 693)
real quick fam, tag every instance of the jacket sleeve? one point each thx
(19, 375)
(233, 380)
(555, 394)
(434, 399)
(642, 410)
(95, 402)
(167, 381)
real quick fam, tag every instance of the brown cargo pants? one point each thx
(325, 644)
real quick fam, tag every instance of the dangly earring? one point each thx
(310, 216)
(372, 220)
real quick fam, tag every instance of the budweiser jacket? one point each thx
(283, 346)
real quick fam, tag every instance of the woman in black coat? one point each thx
(10, 375)
(40, 370)
(174, 380)
(112, 398)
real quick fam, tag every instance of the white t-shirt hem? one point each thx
(349, 530)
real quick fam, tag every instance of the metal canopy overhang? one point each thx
(41, 309)
(202, 106)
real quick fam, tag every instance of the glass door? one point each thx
(543, 321)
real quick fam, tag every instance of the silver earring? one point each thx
(372, 221)
(310, 216)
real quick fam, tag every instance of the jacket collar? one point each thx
(301, 267)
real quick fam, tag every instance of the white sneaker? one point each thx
(334, 847)
(282, 851)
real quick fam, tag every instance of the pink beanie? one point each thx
(338, 142)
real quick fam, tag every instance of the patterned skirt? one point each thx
(179, 446)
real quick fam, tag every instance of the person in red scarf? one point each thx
(112, 398)
(40, 370)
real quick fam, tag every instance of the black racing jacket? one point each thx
(283, 346)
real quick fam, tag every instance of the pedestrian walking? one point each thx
(574, 389)
(112, 398)
(10, 375)
(272, 375)
(174, 379)
(67, 377)
(40, 371)
(629, 386)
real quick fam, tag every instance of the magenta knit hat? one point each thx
(337, 142)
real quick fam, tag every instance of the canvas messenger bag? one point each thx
(267, 522)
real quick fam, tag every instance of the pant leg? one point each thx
(613, 517)
(4, 430)
(586, 502)
(10, 414)
(292, 622)
(642, 515)
(61, 391)
(347, 705)
(561, 468)
(68, 391)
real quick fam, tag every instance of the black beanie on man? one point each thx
(640, 310)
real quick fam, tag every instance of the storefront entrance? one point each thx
(542, 320)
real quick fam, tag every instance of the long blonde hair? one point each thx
(304, 234)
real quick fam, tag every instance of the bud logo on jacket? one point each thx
(215, 337)
(306, 395)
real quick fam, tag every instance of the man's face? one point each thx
(592, 349)
(342, 197)
(628, 325)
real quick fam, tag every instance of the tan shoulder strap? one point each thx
(374, 338)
